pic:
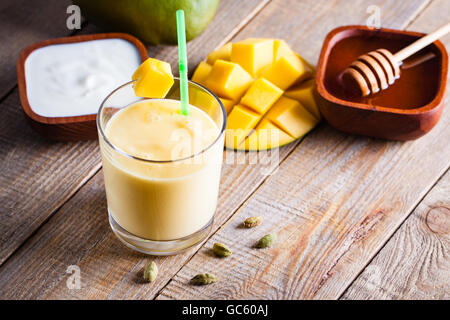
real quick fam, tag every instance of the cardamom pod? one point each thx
(221, 250)
(266, 241)
(252, 222)
(203, 279)
(150, 272)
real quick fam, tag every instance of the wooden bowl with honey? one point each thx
(45, 85)
(407, 110)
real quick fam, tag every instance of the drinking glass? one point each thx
(167, 212)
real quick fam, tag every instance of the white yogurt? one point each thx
(73, 79)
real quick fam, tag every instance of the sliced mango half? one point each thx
(267, 90)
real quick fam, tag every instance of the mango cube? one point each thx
(253, 54)
(292, 117)
(261, 95)
(153, 79)
(266, 136)
(202, 100)
(305, 94)
(281, 49)
(201, 73)
(228, 80)
(223, 53)
(240, 122)
(227, 104)
(286, 71)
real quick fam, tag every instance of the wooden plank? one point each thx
(335, 215)
(23, 154)
(414, 264)
(37, 176)
(79, 234)
(346, 197)
(21, 24)
(334, 202)
(111, 271)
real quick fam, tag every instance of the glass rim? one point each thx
(126, 154)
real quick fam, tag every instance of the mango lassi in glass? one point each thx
(161, 168)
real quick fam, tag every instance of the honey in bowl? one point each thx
(416, 87)
(406, 110)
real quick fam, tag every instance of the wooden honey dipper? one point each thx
(376, 70)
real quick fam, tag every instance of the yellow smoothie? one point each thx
(174, 194)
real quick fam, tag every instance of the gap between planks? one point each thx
(420, 10)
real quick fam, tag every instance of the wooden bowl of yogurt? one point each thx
(63, 81)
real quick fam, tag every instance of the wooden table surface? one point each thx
(357, 218)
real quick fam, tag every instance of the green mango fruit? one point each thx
(152, 21)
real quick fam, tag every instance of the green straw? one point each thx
(182, 56)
